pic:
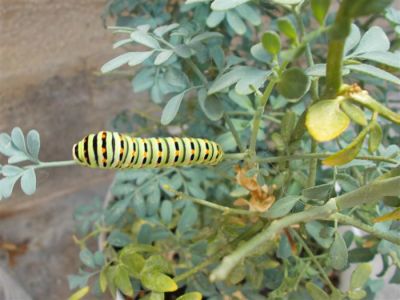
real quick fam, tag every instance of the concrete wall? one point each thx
(50, 51)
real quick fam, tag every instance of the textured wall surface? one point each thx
(50, 51)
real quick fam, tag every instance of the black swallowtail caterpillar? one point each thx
(111, 150)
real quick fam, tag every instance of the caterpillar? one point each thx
(112, 150)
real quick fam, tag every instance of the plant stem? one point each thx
(197, 71)
(219, 253)
(369, 193)
(234, 133)
(235, 156)
(226, 210)
(338, 35)
(53, 164)
(314, 260)
(312, 173)
(348, 220)
(246, 248)
(321, 156)
(246, 113)
(258, 115)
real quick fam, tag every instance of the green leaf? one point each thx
(375, 137)
(133, 262)
(205, 36)
(190, 296)
(320, 9)
(188, 218)
(288, 2)
(228, 79)
(119, 239)
(271, 42)
(250, 14)
(79, 294)
(33, 143)
(153, 202)
(160, 31)
(121, 43)
(260, 54)
(319, 192)
(382, 57)
(17, 137)
(171, 109)
(215, 18)
(241, 100)
(10, 170)
(7, 185)
(284, 250)
(145, 39)
(321, 233)
(287, 28)
(166, 211)
(236, 22)
(347, 154)
(358, 8)
(139, 58)
(360, 276)
(118, 61)
(155, 296)
(353, 39)
(373, 40)
(122, 281)
(158, 263)
(287, 125)
(158, 282)
(316, 292)
(211, 106)
(183, 51)
(225, 5)
(103, 280)
(338, 253)
(357, 295)
(293, 83)
(331, 125)
(28, 181)
(358, 255)
(374, 72)
(354, 112)
(86, 257)
(282, 207)
(163, 56)
(253, 80)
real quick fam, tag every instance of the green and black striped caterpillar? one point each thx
(111, 150)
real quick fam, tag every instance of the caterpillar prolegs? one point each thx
(111, 150)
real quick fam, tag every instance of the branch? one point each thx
(230, 261)
(225, 209)
(391, 237)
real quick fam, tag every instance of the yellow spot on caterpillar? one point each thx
(104, 160)
(159, 154)
(145, 154)
(207, 151)
(103, 150)
(193, 152)
(176, 153)
(121, 151)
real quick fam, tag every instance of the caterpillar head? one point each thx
(77, 155)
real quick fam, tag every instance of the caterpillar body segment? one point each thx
(112, 150)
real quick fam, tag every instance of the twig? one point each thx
(234, 133)
(314, 260)
(391, 237)
(231, 260)
(226, 210)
